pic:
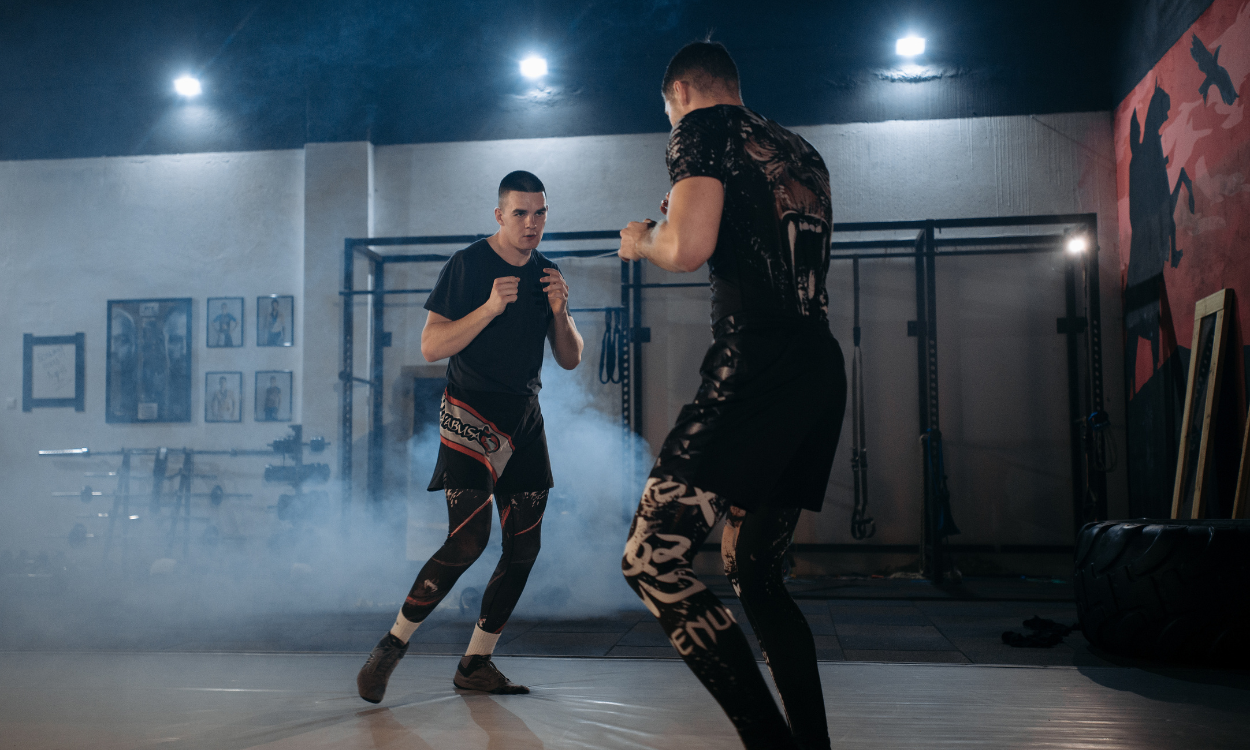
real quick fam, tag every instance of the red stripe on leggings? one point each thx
(471, 515)
(540, 520)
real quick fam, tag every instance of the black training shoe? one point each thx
(372, 678)
(482, 674)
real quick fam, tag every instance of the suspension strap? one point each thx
(862, 525)
(935, 465)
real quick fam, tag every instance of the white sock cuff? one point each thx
(403, 627)
(482, 642)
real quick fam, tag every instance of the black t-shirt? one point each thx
(507, 356)
(772, 253)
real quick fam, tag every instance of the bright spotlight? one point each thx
(533, 67)
(1077, 244)
(188, 86)
(909, 46)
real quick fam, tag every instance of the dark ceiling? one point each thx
(95, 78)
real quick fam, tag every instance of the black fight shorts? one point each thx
(494, 442)
(764, 425)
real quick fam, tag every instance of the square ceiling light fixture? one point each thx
(909, 46)
(533, 67)
(188, 86)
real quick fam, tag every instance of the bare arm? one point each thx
(443, 337)
(566, 342)
(687, 237)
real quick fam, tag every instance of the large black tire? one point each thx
(1168, 590)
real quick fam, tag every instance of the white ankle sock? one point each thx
(403, 627)
(482, 642)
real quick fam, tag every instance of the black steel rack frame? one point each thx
(1081, 324)
(628, 354)
(1082, 331)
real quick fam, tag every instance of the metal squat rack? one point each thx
(624, 323)
(1087, 421)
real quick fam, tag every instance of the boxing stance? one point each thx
(752, 200)
(492, 306)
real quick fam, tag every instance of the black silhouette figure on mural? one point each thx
(1217, 76)
(1151, 209)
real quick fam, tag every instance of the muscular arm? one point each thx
(442, 337)
(566, 342)
(687, 237)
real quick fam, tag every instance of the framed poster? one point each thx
(223, 397)
(53, 371)
(275, 320)
(148, 378)
(225, 322)
(273, 396)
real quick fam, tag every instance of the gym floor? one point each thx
(904, 665)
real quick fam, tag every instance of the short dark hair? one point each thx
(520, 181)
(704, 65)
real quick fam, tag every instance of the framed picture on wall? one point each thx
(225, 322)
(275, 320)
(223, 397)
(52, 371)
(148, 373)
(273, 396)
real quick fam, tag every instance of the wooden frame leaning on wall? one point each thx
(1206, 365)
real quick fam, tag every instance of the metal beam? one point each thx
(346, 376)
(466, 239)
(983, 222)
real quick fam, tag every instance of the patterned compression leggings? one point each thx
(671, 524)
(468, 512)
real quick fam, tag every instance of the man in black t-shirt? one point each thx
(752, 200)
(493, 306)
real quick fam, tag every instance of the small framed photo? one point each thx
(273, 396)
(275, 320)
(223, 396)
(52, 371)
(225, 322)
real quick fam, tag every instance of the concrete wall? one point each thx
(77, 233)
(1003, 368)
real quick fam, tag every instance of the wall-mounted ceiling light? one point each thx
(1077, 244)
(909, 46)
(188, 86)
(533, 67)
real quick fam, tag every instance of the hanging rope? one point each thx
(862, 525)
(613, 337)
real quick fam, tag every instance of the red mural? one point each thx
(1182, 141)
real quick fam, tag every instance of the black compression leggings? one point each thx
(671, 524)
(468, 515)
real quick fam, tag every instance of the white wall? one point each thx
(77, 233)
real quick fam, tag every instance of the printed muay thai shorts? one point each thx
(764, 425)
(493, 442)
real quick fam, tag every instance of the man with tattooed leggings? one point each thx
(493, 305)
(752, 200)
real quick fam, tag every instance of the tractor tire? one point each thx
(1167, 590)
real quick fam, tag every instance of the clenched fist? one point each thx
(557, 291)
(502, 293)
